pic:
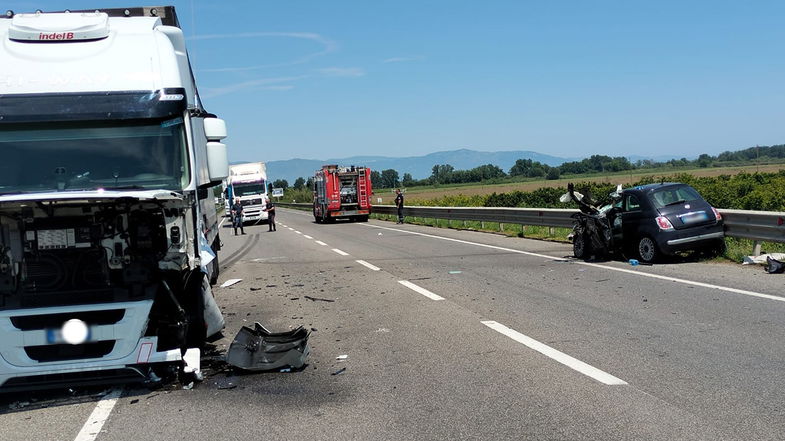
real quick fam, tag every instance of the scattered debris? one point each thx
(260, 350)
(18, 405)
(342, 357)
(313, 329)
(633, 262)
(230, 282)
(762, 259)
(317, 299)
(455, 272)
(134, 401)
(189, 386)
(226, 386)
(285, 370)
(774, 266)
(192, 359)
(339, 371)
(255, 289)
(382, 330)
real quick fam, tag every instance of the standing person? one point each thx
(270, 209)
(399, 204)
(237, 216)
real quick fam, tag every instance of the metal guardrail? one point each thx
(767, 226)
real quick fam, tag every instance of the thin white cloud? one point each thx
(328, 46)
(402, 59)
(342, 71)
(261, 83)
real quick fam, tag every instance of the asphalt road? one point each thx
(460, 335)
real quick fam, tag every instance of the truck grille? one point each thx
(65, 352)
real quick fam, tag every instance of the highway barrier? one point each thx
(758, 226)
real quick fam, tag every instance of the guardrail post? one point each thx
(482, 225)
(756, 248)
(501, 226)
(551, 231)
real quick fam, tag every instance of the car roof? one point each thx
(650, 187)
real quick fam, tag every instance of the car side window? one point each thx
(631, 203)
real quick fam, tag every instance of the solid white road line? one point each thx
(420, 290)
(100, 414)
(342, 253)
(368, 265)
(579, 262)
(307, 236)
(222, 222)
(561, 357)
(321, 243)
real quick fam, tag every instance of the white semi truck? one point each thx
(247, 183)
(108, 224)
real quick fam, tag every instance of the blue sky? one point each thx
(325, 79)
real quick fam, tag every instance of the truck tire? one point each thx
(363, 218)
(193, 303)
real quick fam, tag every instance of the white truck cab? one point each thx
(108, 226)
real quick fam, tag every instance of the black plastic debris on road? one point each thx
(774, 266)
(261, 350)
(318, 299)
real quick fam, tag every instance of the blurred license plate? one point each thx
(690, 218)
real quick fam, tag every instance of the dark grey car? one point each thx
(662, 219)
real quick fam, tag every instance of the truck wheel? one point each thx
(193, 304)
(216, 270)
(647, 250)
(363, 218)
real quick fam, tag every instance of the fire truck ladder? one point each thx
(362, 193)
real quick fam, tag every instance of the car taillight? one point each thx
(717, 214)
(664, 223)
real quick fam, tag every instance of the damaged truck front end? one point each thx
(116, 262)
(108, 224)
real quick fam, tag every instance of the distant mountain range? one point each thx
(419, 166)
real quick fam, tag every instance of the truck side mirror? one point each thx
(214, 129)
(217, 161)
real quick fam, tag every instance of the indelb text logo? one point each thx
(56, 36)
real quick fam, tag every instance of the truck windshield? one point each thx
(248, 188)
(91, 155)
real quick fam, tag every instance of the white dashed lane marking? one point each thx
(420, 290)
(368, 265)
(561, 357)
(95, 422)
(342, 253)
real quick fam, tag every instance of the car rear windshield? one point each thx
(663, 197)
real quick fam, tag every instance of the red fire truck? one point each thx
(342, 192)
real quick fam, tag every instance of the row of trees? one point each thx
(527, 168)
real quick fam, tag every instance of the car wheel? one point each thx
(647, 250)
(580, 246)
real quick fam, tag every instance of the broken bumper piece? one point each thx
(261, 350)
